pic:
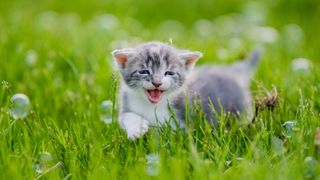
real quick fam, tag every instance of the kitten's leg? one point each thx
(135, 125)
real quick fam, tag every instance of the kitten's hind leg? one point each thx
(134, 125)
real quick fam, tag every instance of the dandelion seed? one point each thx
(153, 164)
(20, 106)
(6, 85)
(301, 64)
(106, 111)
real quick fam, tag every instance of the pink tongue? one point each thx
(155, 95)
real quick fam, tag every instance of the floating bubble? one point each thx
(106, 111)
(310, 160)
(301, 64)
(20, 106)
(152, 158)
(42, 168)
(106, 106)
(39, 168)
(153, 164)
(44, 157)
(106, 119)
(289, 124)
(31, 57)
(289, 128)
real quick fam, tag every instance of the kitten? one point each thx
(157, 77)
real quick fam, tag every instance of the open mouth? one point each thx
(154, 95)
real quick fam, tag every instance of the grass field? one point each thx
(57, 53)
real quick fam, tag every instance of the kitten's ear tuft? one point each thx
(122, 55)
(190, 57)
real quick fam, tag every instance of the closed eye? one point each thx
(169, 73)
(144, 72)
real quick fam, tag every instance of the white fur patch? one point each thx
(135, 125)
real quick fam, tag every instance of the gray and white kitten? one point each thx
(157, 77)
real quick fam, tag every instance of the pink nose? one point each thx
(156, 84)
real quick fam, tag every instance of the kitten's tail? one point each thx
(254, 57)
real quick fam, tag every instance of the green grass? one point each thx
(73, 74)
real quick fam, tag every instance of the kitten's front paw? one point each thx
(134, 125)
(137, 130)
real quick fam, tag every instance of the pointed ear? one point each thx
(190, 58)
(122, 55)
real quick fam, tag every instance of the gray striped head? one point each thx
(155, 69)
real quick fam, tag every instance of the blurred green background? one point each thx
(75, 38)
(58, 54)
(200, 20)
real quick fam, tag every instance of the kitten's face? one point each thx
(154, 70)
